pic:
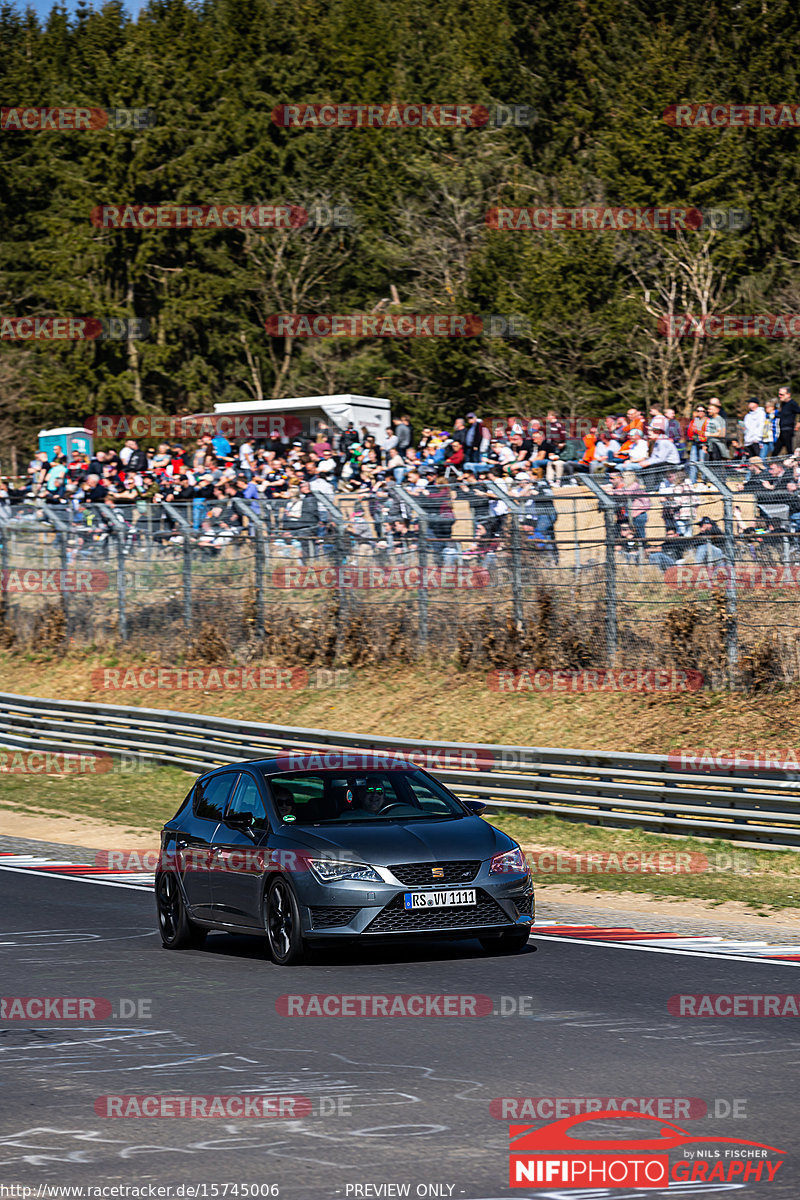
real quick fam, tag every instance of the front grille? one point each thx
(420, 874)
(396, 918)
(524, 904)
(327, 918)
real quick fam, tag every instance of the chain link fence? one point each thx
(649, 569)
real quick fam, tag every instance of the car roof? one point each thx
(315, 761)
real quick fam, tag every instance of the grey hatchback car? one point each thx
(303, 853)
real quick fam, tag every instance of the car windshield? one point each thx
(328, 797)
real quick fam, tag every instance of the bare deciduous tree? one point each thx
(676, 278)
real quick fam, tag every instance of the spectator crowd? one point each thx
(292, 483)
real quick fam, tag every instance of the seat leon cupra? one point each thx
(304, 854)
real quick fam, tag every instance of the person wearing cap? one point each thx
(476, 438)
(717, 432)
(708, 541)
(696, 436)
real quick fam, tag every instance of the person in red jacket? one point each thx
(455, 454)
(697, 440)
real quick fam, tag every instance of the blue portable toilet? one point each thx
(73, 439)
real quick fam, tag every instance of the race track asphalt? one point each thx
(410, 1096)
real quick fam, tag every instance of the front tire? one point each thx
(282, 924)
(506, 943)
(178, 931)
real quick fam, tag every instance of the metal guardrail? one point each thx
(587, 786)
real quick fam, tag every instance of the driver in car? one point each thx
(283, 800)
(368, 799)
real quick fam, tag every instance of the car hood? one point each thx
(406, 841)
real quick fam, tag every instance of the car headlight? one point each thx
(511, 863)
(331, 870)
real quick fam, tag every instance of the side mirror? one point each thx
(474, 807)
(240, 820)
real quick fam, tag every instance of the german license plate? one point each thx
(449, 899)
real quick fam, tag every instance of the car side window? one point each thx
(247, 799)
(211, 794)
(427, 800)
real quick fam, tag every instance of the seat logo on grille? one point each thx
(437, 872)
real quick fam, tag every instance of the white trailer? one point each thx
(305, 414)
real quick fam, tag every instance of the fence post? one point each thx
(516, 510)
(340, 553)
(732, 623)
(186, 530)
(5, 608)
(610, 515)
(396, 489)
(117, 529)
(245, 510)
(61, 531)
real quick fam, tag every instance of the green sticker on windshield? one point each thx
(290, 817)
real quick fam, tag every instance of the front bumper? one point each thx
(354, 909)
